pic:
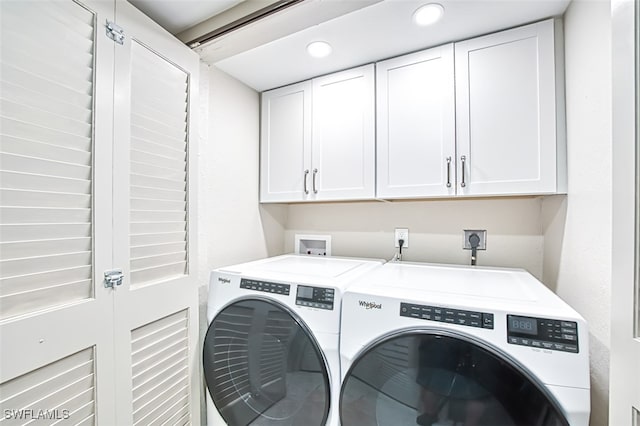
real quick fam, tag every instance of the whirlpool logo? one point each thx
(369, 305)
(224, 280)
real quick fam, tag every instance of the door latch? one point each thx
(113, 278)
(115, 32)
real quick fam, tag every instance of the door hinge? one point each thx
(115, 32)
(113, 278)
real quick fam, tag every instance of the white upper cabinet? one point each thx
(318, 139)
(510, 112)
(285, 155)
(477, 118)
(343, 142)
(416, 125)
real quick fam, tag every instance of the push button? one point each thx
(487, 320)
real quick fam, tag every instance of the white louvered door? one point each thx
(156, 307)
(55, 220)
(94, 175)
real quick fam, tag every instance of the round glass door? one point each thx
(262, 366)
(441, 380)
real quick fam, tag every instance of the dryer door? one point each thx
(438, 379)
(262, 365)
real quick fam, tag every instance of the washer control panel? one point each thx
(315, 297)
(267, 287)
(448, 315)
(543, 333)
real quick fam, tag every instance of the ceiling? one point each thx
(177, 15)
(271, 52)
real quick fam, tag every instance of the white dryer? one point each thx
(271, 354)
(451, 345)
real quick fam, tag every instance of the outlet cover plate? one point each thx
(482, 233)
(401, 234)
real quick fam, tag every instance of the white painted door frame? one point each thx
(625, 301)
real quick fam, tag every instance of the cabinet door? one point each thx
(344, 136)
(416, 125)
(508, 99)
(285, 155)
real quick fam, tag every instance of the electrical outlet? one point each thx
(482, 233)
(402, 234)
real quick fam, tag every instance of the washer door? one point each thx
(428, 378)
(263, 366)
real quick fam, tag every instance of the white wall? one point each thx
(514, 229)
(239, 228)
(232, 225)
(577, 229)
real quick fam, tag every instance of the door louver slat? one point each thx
(31, 282)
(24, 96)
(80, 95)
(158, 169)
(160, 370)
(63, 388)
(45, 151)
(46, 114)
(38, 133)
(45, 199)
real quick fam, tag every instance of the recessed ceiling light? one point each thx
(428, 14)
(319, 49)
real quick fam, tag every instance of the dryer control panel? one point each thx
(448, 315)
(267, 287)
(543, 333)
(315, 297)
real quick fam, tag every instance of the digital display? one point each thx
(305, 292)
(522, 325)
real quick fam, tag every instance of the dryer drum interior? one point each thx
(263, 366)
(428, 378)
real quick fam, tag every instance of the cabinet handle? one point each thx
(306, 174)
(463, 159)
(448, 172)
(315, 172)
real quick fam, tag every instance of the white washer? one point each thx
(271, 353)
(443, 345)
